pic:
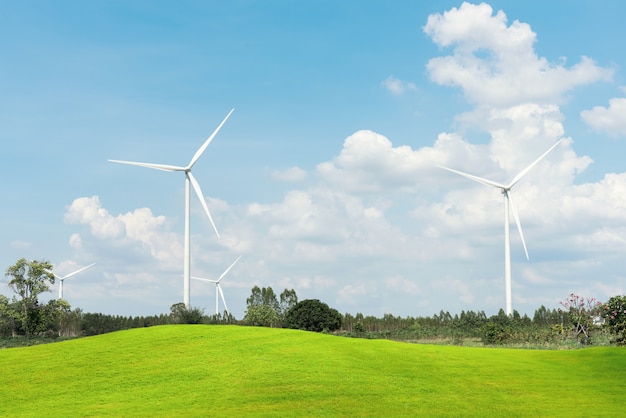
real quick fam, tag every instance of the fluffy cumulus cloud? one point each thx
(139, 226)
(369, 163)
(611, 120)
(495, 63)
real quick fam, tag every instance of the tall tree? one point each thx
(263, 308)
(288, 299)
(28, 279)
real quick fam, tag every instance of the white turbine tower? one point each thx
(189, 178)
(218, 288)
(67, 276)
(508, 202)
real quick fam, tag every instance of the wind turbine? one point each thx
(218, 288)
(62, 279)
(189, 178)
(508, 202)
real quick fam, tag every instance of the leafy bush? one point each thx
(312, 315)
(180, 314)
(496, 333)
(614, 314)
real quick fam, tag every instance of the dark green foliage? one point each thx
(312, 315)
(182, 315)
(547, 317)
(496, 333)
(614, 314)
(498, 330)
(97, 323)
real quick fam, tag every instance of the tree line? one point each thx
(577, 319)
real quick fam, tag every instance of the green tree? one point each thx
(288, 299)
(312, 315)
(498, 329)
(263, 308)
(614, 314)
(9, 317)
(28, 280)
(261, 316)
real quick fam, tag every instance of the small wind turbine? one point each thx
(218, 288)
(508, 201)
(189, 178)
(67, 276)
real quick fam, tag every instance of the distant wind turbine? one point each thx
(62, 279)
(189, 178)
(218, 288)
(508, 201)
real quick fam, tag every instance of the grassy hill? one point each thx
(200, 370)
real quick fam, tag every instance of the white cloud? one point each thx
(398, 87)
(89, 211)
(292, 174)
(495, 63)
(369, 163)
(611, 120)
(124, 229)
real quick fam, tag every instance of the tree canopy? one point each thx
(28, 279)
(312, 315)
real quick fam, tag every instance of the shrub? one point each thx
(496, 333)
(614, 314)
(312, 315)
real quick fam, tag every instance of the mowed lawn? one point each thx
(231, 371)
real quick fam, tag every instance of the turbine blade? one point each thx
(222, 295)
(208, 141)
(196, 187)
(517, 221)
(527, 169)
(204, 280)
(78, 271)
(163, 167)
(228, 269)
(475, 178)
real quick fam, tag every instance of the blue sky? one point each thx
(324, 178)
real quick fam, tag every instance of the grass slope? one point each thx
(200, 370)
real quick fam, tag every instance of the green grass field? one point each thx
(230, 371)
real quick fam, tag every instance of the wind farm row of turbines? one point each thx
(190, 180)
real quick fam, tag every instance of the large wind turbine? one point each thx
(218, 288)
(67, 276)
(189, 178)
(508, 202)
